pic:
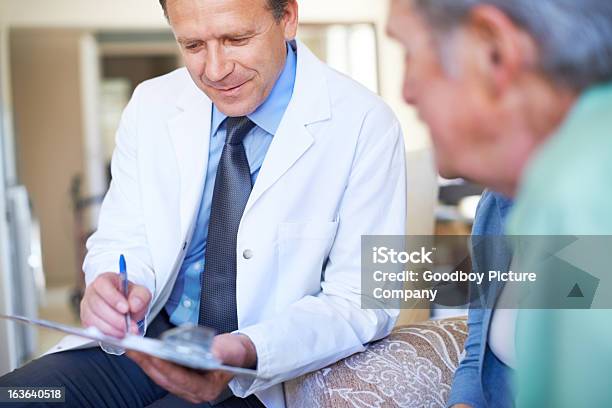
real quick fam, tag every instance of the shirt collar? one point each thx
(270, 113)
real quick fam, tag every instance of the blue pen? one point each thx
(124, 286)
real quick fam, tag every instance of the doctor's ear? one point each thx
(290, 20)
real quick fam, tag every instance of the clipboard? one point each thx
(188, 345)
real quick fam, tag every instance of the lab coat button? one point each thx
(247, 254)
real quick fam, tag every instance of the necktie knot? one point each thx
(237, 129)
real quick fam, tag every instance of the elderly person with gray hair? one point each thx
(518, 97)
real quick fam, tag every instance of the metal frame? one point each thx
(8, 346)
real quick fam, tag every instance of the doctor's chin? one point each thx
(295, 204)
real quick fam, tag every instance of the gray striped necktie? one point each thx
(230, 195)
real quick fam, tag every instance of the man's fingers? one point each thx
(188, 384)
(108, 289)
(175, 374)
(235, 350)
(106, 312)
(104, 305)
(139, 298)
(91, 319)
(134, 327)
(200, 386)
(146, 363)
(136, 356)
(185, 383)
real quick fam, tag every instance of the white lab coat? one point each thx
(334, 171)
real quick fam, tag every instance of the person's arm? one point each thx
(466, 387)
(120, 231)
(321, 329)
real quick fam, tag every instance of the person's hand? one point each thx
(200, 386)
(104, 306)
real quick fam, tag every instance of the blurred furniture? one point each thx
(455, 213)
(456, 208)
(452, 192)
(26, 277)
(413, 367)
(82, 231)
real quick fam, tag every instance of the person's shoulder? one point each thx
(572, 164)
(565, 186)
(348, 94)
(355, 112)
(566, 194)
(166, 88)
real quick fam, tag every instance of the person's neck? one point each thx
(545, 108)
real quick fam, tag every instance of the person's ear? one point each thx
(501, 51)
(290, 20)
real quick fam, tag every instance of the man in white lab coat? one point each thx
(241, 188)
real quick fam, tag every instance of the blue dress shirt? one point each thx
(184, 303)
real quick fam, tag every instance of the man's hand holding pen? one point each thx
(104, 305)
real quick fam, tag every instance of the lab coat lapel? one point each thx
(190, 135)
(309, 104)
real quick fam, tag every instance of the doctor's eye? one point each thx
(238, 42)
(192, 46)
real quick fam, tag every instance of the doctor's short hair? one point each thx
(277, 7)
(574, 37)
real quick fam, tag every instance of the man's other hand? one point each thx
(104, 306)
(200, 386)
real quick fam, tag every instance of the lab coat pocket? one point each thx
(303, 252)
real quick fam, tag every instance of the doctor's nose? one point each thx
(217, 65)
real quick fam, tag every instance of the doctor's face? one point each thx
(234, 50)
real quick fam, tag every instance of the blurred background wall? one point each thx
(48, 119)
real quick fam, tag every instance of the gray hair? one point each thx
(277, 7)
(574, 36)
